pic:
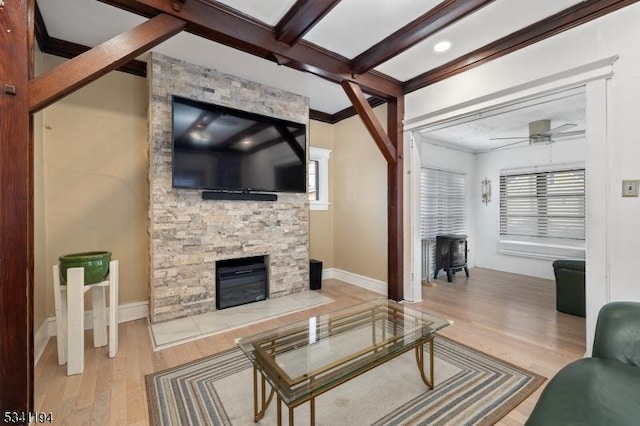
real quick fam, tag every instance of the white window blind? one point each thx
(442, 209)
(547, 204)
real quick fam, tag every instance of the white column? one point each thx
(113, 308)
(75, 320)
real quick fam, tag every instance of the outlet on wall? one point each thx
(630, 188)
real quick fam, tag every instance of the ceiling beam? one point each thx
(321, 116)
(219, 23)
(68, 49)
(562, 21)
(89, 66)
(40, 29)
(302, 16)
(343, 113)
(370, 120)
(436, 19)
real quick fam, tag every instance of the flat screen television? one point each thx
(224, 149)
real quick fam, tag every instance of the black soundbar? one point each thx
(245, 196)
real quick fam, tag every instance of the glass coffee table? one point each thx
(305, 359)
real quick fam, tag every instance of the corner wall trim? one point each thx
(357, 280)
(126, 312)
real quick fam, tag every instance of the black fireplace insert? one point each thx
(241, 281)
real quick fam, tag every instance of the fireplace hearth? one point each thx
(241, 281)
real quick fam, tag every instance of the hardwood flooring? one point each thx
(510, 316)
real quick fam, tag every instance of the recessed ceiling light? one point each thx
(442, 46)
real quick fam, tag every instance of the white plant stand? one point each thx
(69, 303)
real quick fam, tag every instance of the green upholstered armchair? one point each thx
(603, 389)
(570, 292)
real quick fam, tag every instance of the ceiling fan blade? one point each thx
(569, 134)
(558, 129)
(508, 145)
(512, 137)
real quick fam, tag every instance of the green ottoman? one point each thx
(570, 293)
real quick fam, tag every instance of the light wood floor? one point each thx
(510, 316)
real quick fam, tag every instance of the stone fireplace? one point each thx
(188, 235)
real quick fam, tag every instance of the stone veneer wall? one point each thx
(188, 234)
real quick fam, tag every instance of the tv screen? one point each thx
(220, 148)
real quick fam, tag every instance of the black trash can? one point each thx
(315, 274)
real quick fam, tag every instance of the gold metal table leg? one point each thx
(279, 411)
(420, 361)
(312, 411)
(255, 394)
(258, 411)
(291, 416)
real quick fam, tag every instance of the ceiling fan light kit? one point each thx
(540, 131)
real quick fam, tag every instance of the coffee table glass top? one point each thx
(309, 356)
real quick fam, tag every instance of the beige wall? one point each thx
(321, 221)
(39, 246)
(95, 180)
(359, 200)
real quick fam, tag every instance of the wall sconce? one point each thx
(485, 191)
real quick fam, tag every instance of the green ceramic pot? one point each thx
(95, 264)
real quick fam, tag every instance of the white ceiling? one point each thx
(353, 26)
(348, 29)
(494, 21)
(473, 132)
(267, 11)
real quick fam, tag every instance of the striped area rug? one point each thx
(472, 388)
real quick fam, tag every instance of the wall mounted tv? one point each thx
(224, 149)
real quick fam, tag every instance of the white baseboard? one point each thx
(127, 312)
(355, 279)
(40, 339)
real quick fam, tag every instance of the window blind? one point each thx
(442, 209)
(543, 204)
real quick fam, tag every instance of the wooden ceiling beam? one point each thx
(343, 113)
(89, 66)
(436, 19)
(370, 120)
(67, 49)
(40, 29)
(302, 16)
(219, 23)
(562, 21)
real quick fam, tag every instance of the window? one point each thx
(542, 213)
(319, 178)
(548, 204)
(442, 210)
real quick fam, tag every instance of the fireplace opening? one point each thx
(241, 281)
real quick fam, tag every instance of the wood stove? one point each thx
(451, 255)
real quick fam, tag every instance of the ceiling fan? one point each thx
(541, 131)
